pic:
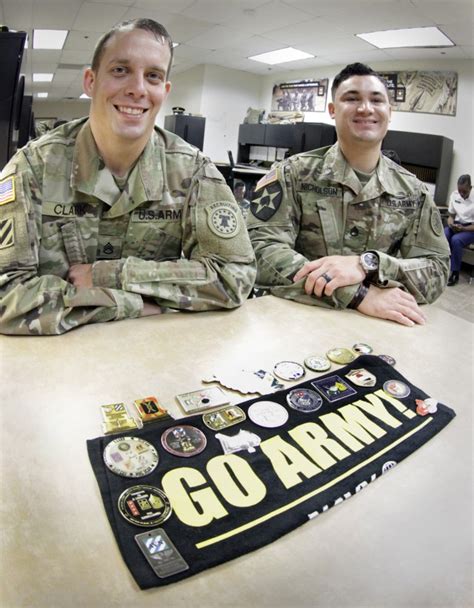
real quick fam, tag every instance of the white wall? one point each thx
(222, 96)
(459, 128)
(62, 110)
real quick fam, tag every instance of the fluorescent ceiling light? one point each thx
(84, 96)
(42, 77)
(281, 56)
(49, 39)
(41, 94)
(175, 44)
(412, 37)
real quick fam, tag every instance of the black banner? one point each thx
(225, 505)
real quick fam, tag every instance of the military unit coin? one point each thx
(304, 400)
(333, 388)
(289, 370)
(388, 359)
(184, 440)
(150, 410)
(130, 457)
(317, 363)
(361, 377)
(144, 505)
(268, 414)
(341, 355)
(223, 418)
(426, 406)
(362, 349)
(396, 388)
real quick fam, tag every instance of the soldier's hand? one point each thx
(393, 304)
(80, 275)
(150, 308)
(325, 275)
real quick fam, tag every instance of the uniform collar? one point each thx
(336, 167)
(92, 177)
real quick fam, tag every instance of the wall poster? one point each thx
(426, 92)
(300, 96)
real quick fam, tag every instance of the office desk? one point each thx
(405, 541)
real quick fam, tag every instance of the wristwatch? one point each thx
(370, 263)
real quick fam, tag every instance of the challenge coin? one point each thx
(362, 349)
(361, 377)
(396, 388)
(268, 414)
(304, 400)
(130, 457)
(144, 505)
(388, 359)
(224, 417)
(340, 355)
(184, 440)
(317, 363)
(289, 370)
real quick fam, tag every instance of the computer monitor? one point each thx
(26, 121)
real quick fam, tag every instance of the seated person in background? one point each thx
(110, 217)
(239, 193)
(343, 226)
(460, 228)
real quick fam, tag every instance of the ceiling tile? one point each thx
(98, 17)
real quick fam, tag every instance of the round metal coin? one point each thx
(268, 414)
(304, 400)
(317, 363)
(184, 440)
(396, 388)
(144, 505)
(340, 355)
(289, 370)
(130, 456)
(362, 349)
(388, 359)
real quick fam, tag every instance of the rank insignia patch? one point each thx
(222, 219)
(7, 234)
(266, 201)
(7, 190)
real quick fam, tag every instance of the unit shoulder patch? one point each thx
(266, 201)
(222, 219)
(436, 223)
(7, 233)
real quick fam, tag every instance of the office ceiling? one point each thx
(226, 32)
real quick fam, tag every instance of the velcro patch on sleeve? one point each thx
(7, 233)
(269, 178)
(7, 190)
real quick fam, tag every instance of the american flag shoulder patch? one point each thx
(7, 190)
(7, 233)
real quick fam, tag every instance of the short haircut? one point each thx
(239, 184)
(354, 69)
(465, 180)
(155, 28)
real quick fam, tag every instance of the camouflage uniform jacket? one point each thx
(313, 205)
(174, 234)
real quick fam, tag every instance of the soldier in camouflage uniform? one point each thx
(110, 217)
(344, 226)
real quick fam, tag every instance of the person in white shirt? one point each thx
(460, 228)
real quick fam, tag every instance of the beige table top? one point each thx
(405, 541)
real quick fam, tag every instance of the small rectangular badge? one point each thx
(149, 409)
(7, 233)
(333, 388)
(203, 399)
(7, 190)
(160, 553)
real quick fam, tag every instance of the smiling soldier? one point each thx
(110, 217)
(344, 227)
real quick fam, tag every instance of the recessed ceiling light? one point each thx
(175, 44)
(49, 39)
(41, 94)
(411, 37)
(281, 56)
(84, 96)
(42, 77)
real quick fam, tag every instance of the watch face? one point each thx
(369, 261)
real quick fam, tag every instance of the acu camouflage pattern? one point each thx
(153, 239)
(325, 210)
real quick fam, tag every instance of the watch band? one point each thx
(358, 296)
